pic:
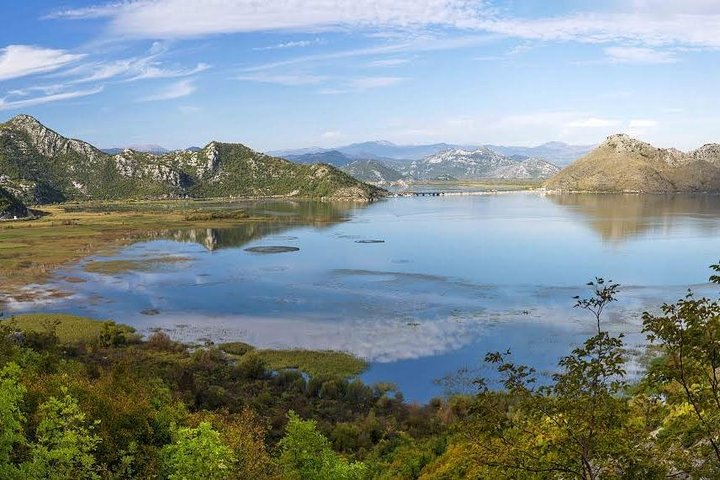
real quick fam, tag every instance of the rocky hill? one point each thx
(41, 166)
(478, 164)
(625, 164)
(11, 207)
(373, 171)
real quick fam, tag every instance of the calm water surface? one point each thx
(446, 280)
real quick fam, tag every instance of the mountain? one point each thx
(624, 164)
(48, 167)
(372, 171)
(331, 157)
(145, 148)
(555, 152)
(476, 164)
(11, 207)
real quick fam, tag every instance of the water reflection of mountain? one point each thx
(281, 217)
(617, 217)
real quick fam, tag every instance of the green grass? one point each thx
(68, 328)
(315, 363)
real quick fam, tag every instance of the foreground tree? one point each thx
(687, 377)
(198, 453)
(65, 443)
(306, 454)
(580, 425)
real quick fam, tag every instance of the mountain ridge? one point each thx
(42, 166)
(625, 164)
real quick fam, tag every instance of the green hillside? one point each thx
(45, 167)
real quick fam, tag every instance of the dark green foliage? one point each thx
(11, 207)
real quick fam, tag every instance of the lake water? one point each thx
(420, 287)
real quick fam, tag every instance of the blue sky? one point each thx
(293, 73)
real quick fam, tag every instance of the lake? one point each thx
(420, 287)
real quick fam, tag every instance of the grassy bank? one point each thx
(31, 250)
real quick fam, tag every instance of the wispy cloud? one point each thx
(293, 44)
(360, 84)
(175, 90)
(289, 79)
(365, 83)
(644, 23)
(130, 69)
(22, 60)
(389, 62)
(192, 18)
(639, 55)
(422, 44)
(6, 104)
(594, 122)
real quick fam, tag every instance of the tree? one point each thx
(306, 454)
(198, 453)
(11, 417)
(579, 425)
(65, 443)
(688, 378)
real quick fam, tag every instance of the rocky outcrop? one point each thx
(625, 164)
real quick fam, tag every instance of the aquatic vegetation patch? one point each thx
(272, 249)
(110, 267)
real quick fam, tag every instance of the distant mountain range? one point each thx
(145, 148)
(453, 163)
(479, 164)
(37, 165)
(554, 152)
(625, 164)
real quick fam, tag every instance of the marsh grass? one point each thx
(70, 329)
(315, 363)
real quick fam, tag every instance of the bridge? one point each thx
(442, 193)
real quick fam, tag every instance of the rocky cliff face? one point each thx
(42, 166)
(625, 164)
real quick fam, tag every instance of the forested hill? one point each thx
(39, 166)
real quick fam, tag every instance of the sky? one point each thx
(277, 74)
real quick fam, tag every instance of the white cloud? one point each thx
(422, 44)
(179, 89)
(293, 44)
(366, 83)
(192, 18)
(389, 62)
(331, 135)
(21, 60)
(642, 123)
(129, 69)
(642, 23)
(639, 55)
(6, 104)
(594, 122)
(290, 79)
